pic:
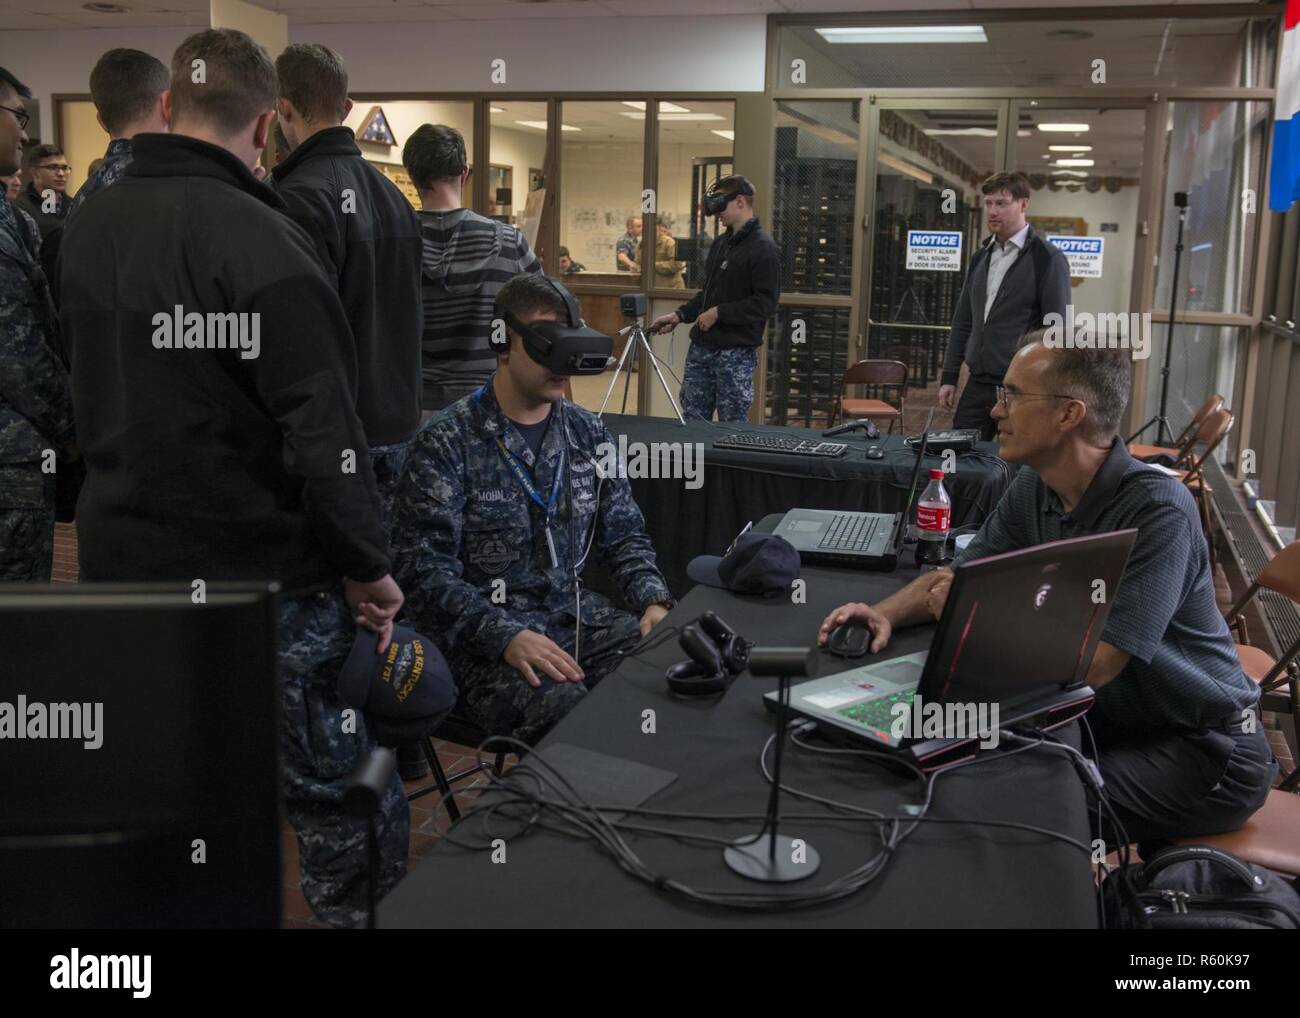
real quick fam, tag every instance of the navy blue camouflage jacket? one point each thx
(35, 402)
(462, 521)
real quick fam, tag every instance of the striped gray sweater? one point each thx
(467, 259)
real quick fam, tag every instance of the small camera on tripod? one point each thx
(632, 305)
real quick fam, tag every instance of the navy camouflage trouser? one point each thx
(320, 746)
(718, 379)
(26, 545)
(499, 699)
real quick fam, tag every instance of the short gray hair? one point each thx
(1099, 377)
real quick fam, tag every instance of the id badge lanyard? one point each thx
(526, 482)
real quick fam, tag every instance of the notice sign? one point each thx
(1083, 254)
(934, 250)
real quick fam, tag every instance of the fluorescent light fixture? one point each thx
(965, 132)
(903, 166)
(676, 116)
(1068, 173)
(1203, 247)
(1073, 162)
(664, 107)
(729, 135)
(1065, 128)
(1069, 148)
(496, 109)
(914, 33)
(541, 125)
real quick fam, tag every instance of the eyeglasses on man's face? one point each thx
(55, 167)
(1004, 397)
(22, 116)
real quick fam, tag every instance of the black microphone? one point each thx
(793, 662)
(872, 431)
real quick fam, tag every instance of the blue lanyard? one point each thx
(526, 482)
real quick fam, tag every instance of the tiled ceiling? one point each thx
(53, 14)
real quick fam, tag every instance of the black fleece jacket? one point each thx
(203, 462)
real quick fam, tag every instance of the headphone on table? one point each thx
(717, 655)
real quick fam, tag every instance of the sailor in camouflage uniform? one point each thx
(500, 506)
(35, 403)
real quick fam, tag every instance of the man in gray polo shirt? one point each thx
(1176, 721)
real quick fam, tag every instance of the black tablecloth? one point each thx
(944, 875)
(742, 486)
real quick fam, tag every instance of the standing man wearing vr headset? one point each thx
(503, 499)
(742, 282)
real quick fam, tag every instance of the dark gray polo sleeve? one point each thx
(1154, 581)
(1007, 528)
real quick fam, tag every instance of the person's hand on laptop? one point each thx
(880, 627)
(529, 652)
(937, 594)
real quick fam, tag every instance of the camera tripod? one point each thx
(636, 337)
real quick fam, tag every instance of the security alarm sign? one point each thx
(1083, 254)
(934, 250)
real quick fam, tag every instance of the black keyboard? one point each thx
(852, 531)
(757, 442)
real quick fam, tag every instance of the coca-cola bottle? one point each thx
(933, 515)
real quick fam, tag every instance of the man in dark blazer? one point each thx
(1013, 281)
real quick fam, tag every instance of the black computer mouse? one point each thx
(851, 639)
(874, 452)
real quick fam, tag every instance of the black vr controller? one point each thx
(716, 200)
(568, 347)
(717, 655)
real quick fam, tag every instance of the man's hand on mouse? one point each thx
(857, 612)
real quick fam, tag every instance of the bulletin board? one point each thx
(398, 175)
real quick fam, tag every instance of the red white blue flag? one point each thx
(1284, 182)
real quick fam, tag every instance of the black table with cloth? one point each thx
(943, 875)
(739, 487)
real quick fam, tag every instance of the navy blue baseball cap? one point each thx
(404, 692)
(755, 564)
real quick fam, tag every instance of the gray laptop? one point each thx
(1018, 630)
(859, 540)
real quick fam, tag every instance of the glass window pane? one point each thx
(803, 378)
(402, 117)
(928, 171)
(602, 173)
(517, 157)
(1214, 151)
(695, 148)
(1037, 54)
(1205, 360)
(813, 194)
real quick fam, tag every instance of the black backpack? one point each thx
(1197, 887)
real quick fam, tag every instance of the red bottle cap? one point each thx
(936, 474)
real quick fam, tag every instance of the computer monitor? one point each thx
(138, 756)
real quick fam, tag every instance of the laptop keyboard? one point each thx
(851, 532)
(878, 714)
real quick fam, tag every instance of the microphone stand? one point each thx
(770, 856)
(1164, 433)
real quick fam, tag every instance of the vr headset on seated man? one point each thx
(568, 347)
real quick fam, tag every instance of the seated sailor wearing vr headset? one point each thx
(501, 503)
